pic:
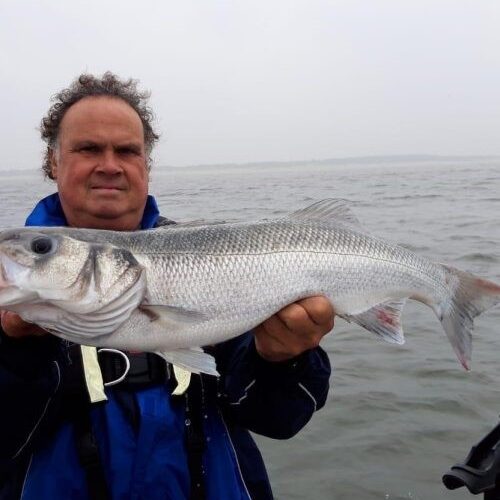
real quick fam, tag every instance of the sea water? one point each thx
(397, 417)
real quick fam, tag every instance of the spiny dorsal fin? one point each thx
(329, 210)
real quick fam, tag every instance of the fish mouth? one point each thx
(10, 293)
(3, 279)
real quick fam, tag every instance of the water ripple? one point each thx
(480, 257)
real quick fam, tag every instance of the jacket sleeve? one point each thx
(272, 399)
(29, 378)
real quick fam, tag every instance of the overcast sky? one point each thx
(243, 81)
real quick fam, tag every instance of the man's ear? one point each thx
(53, 162)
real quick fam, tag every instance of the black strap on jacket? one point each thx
(195, 437)
(88, 454)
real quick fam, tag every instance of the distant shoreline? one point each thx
(348, 160)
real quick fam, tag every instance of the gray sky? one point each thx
(242, 81)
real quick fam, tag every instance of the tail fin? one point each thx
(471, 296)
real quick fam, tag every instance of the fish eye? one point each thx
(41, 245)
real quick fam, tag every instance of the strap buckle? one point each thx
(132, 369)
(121, 378)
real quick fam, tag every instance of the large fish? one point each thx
(174, 289)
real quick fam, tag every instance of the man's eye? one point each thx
(126, 151)
(89, 149)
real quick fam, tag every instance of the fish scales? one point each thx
(213, 268)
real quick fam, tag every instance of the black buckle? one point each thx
(132, 370)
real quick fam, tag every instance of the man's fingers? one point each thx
(14, 326)
(294, 329)
(295, 332)
(308, 313)
(272, 340)
(295, 317)
(319, 309)
(276, 328)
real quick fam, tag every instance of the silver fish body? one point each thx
(179, 287)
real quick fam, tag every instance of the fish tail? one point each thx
(470, 297)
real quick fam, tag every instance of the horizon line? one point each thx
(315, 161)
(339, 160)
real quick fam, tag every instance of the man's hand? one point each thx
(14, 326)
(295, 329)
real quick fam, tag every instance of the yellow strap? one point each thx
(93, 375)
(183, 378)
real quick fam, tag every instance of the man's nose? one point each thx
(110, 163)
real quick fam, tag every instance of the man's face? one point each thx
(100, 165)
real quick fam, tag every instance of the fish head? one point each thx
(47, 266)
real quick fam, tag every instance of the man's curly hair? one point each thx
(87, 85)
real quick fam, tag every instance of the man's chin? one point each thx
(108, 211)
(110, 221)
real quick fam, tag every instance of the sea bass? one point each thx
(174, 289)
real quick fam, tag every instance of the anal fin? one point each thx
(383, 319)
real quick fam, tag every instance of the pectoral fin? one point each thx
(171, 314)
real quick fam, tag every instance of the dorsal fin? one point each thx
(329, 210)
(193, 224)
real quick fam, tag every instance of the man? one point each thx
(142, 442)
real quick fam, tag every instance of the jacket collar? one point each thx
(49, 212)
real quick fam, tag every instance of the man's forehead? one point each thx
(100, 112)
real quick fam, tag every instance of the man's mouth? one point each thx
(107, 188)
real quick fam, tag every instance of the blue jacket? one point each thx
(147, 459)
